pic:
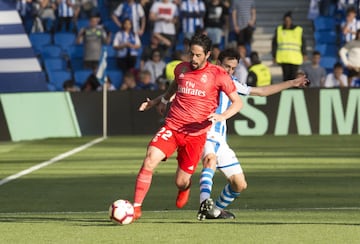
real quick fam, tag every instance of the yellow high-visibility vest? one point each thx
(169, 69)
(289, 45)
(263, 74)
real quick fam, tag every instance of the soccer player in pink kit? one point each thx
(197, 86)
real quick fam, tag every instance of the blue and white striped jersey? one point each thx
(64, 10)
(224, 102)
(192, 13)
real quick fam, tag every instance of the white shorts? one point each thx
(227, 161)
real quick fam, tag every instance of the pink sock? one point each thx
(143, 182)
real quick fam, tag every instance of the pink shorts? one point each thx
(189, 148)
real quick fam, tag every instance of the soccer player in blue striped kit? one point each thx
(218, 155)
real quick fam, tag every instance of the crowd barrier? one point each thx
(27, 116)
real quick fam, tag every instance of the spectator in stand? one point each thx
(337, 78)
(343, 5)
(108, 84)
(87, 8)
(155, 66)
(259, 74)
(145, 81)
(215, 21)
(178, 57)
(168, 76)
(147, 50)
(313, 11)
(46, 12)
(164, 15)
(69, 85)
(241, 71)
(215, 51)
(327, 7)
(314, 72)
(127, 43)
(355, 82)
(130, 9)
(243, 16)
(91, 83)
(93, 37)
(289, 47)
(129, 82)
(350, 56)
(146, 4)
(350, 25)
(67, 15)
(192, 14)
(25, 9)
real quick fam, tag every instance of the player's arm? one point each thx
(236, 105)
(275, 88)
(161, 101)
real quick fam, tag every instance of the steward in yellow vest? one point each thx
(289, 47)
(259, 74)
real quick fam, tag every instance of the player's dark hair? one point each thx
(201, 40)
(229, 53)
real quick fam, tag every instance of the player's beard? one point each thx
(195, 66)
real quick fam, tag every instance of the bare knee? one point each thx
(238, 183)
(182, 179)
(209, 161)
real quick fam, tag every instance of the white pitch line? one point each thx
(51, 161)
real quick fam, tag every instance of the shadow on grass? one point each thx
(53, 219)
(94, 193)
(107, 223)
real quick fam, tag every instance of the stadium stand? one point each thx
(81, 75)
(58, 77)
(39, 40)
(116, 77)
(20, 70)
(65, 40)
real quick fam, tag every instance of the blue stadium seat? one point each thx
(327, 49)
(110, 25)
(111, 52)
(65, 40)
(52, 64)
(116, 77)
(82, 23)
(329, 37)
(38, 40)
(51, 51)
(325, 23)
(80, 76)
(76, 51)
(76, 63)
(58, 77)
(328, 63)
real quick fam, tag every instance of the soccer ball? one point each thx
(121, 212)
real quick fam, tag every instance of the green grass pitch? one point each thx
(301, 189)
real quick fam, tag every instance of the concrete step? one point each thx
(270, 15)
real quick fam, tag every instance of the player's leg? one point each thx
(209, 166)
(144, 177)
(229, 193)
(206, 183)
(188, 157)
(229, 165)
(206, 176)
(183, 183)
(159, 149)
